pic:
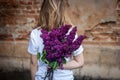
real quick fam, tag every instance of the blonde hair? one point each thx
(52, 14)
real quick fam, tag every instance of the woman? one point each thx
(51, 15)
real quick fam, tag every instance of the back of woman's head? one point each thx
(52, 14)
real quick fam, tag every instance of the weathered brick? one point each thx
(29, 11)
(101, 43)
(28, 16)
(102, 29)
(26, 2)
(29, 7)
(7, 37)
(9, 4)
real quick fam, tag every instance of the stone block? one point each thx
(76, 71)
(26, 63)
(91, 54)
(108, 56)
(114, 72)
(21, 49)
(6, 48)
(95, 71)
(10, 63)
(14, 63)
(14, 49)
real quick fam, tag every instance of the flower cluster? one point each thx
(59, 45)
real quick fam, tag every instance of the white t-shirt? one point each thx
(36, 45)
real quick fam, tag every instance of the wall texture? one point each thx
(98, 19)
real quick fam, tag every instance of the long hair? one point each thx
(52, 14)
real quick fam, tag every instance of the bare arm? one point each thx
(77, 62)
(33, 66)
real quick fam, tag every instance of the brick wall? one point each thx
(98, 19)
(17, 17)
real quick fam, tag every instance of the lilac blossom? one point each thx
(59, 45)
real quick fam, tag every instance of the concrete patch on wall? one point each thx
(100, 61)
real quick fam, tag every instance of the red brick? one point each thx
(23, 37)
(20, 19)
(9, 4)
(29, 7)
(36, 6)
(22, 7)
(26, 2)
(5, 37)
(30, 3)
(37, 2)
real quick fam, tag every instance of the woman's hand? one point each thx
(77, 62)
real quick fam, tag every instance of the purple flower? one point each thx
(71, 36)
(58, 45)
(76, 44)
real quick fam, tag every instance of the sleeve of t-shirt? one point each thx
(32, 47)
(79, 50)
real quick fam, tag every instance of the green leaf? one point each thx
(46, 61)
(44, 52)
(64, 61)
(38, 55)
(53, 64)
(43, 56)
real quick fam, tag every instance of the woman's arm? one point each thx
(76, 62)
(33, 66)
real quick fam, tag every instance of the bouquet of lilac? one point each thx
(59, 45)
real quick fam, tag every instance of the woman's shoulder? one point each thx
(36, 31)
